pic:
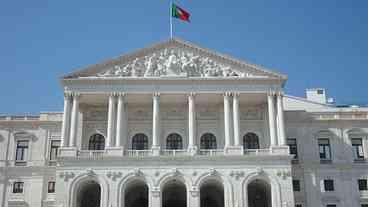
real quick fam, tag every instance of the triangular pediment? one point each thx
(175, 58)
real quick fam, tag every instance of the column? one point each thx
(66, 120)
(280, 120)
(271, 118)
(191, 123)
(236, 119)
(227, 119)
(156, 123)
(121, 120)
(111, 120)
(74, 120)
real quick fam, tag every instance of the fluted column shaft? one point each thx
(271, 118)
(156, 121)
(66, 120)
(236, 119)
(120, 120)
(191, 120)
(74, 121)
(227, 119)
(111, 120)
(280, 120)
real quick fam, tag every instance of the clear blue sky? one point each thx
(316, 43)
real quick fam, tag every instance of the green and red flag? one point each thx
(179, 13)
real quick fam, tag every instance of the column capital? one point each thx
(236, 94)
(156, 94)
(227, 94)
(75, 95)
(121, 94)
(271, 93)
(68, 95)
(192, 94)
(280, 93)
(113, 94)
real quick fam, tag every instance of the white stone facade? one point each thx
(176, 124)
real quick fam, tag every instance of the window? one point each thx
(319, 91)
(54, 146)
(208, 141)
(329, 185)
(21, 151)
(250, 141)
(51, 187)
(174, 142)
(140, 142)
(18, 187)
(324, 149)
(296, 185)
(364, 205)
(293, 149)
(298, 205)
(96, 142)
(357, 145)
(331, 205)
(362, 184)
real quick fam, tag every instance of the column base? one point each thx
(234, 150)
(68, 152)
(115, 151)
(192, 150)
(156, 150)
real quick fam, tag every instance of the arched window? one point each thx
(250, 141)
(96, 142)
(140, 142)
(208, 141)
(174, 141)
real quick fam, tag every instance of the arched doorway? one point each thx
(140, 142)
(212, 194)
(208, 141)
(96, 142)
(136, 194)
(174, 194)
(250, 141)
(89, 194)
(259, 194)
(174, 142)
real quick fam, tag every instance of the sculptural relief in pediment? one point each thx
(173, 62)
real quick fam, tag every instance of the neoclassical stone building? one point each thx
(178, 125)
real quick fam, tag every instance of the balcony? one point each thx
(91, 154)
(211, 152)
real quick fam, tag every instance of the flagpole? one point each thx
(171, 23)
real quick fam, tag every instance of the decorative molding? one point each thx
(66, 175)
(90, 172)
(283, 174)
(174, 62)
(259, 171)
(237, 174)
(114, 175)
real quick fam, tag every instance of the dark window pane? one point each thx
(51, 187)
(296, 185)
(293, 148)
(96, 142)
(331, 205)
(18, 187)
(329, 185)
(362, 183)
(324, 149)
(208, 141)
(21, 151)
(357, 145)
(55, 144)
(140, 142)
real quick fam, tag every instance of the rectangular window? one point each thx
(324, 149)
(357, 145)
(51, 187)
(21, 151)
(296, 185)
(298, 205)
(364, 205)
(331, 205)
(18, 187)
(329, 185)
(293, 149)
(54, 147)
(362, 183)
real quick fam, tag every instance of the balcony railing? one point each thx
(257, 152)
(138, 153)
(211, 152)
(91, 154)
(177, 152)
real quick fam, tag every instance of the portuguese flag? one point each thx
(179, 13)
